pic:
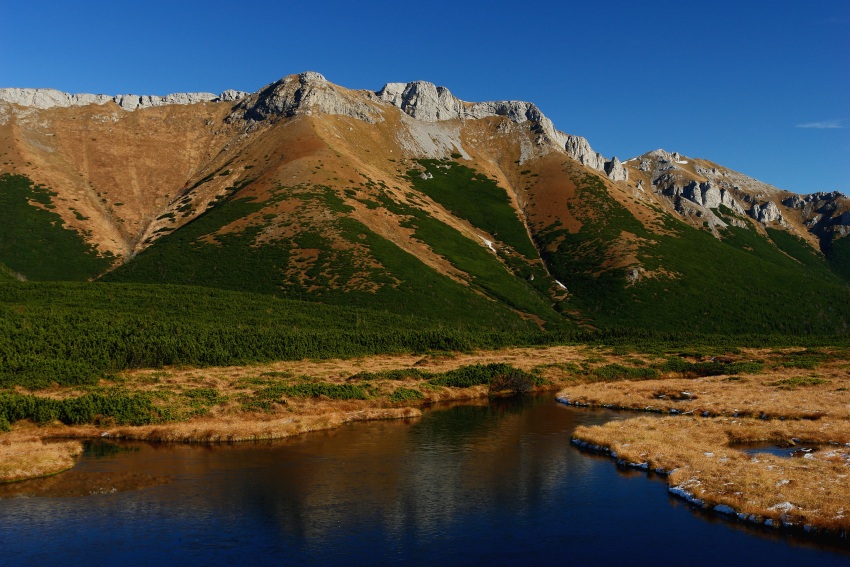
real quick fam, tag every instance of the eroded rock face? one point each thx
(302, 94)
(51, 98)
(580, 150)
(425, 101)
(615, 170)
(766, 212)
(709, 195)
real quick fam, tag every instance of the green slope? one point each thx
(838, 256)
(34, 241)
(400, 283)
(743, 283)
(6, 275)
(473, 196)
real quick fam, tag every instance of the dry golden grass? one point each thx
(703, 463)
(247, 427)
(783, 406)
(226, 378)
(25, 456)
(785, 392)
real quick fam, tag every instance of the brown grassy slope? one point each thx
(117, 169)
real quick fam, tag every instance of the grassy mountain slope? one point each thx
(690, 280)
(345, 263)
(838, 256)
(33, 239)
(475, 222)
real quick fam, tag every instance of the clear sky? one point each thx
(760, 87)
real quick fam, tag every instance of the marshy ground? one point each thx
(716, 403)
(708, 444)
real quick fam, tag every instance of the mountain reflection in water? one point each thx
(496, 483)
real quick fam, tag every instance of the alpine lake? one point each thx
(492, 483)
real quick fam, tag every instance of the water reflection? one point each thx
(498, 483)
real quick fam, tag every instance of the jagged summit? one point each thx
(310, 92)
(425, 101)
(306, 93)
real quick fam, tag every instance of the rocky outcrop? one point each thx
(302, 94)
(710, 196)
(51, 98)
(616, 171)
(427, 102)
(231, 95)
(135, 102)
(824, 214)
(579, 149)
(766, 212)
(423, 101)
(822, 202)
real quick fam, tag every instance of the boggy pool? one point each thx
(495, 484)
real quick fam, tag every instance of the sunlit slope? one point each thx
(410, 201)
(351, 240)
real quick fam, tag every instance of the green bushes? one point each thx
(73, 334)
(799, 381)
(475, 375)
(808, 359)
(34, 240)
(119, 407)
(406, 395)
(612, 372)
(397, 374)
(514, 381)
(500, 377)
(710, 368)
(314, 390)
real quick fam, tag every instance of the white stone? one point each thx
(51, 98)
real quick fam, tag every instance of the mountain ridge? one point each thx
(307, 189)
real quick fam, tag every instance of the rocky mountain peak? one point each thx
(304, 93)
(425, 101)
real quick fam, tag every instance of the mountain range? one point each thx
(411, 201)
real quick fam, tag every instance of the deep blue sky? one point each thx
(760, 87)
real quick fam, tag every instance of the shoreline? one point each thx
(701, 426)
(721, 509)
(749, 396)
(202, 432)
(259, 402)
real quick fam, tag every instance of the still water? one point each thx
(495, 484)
